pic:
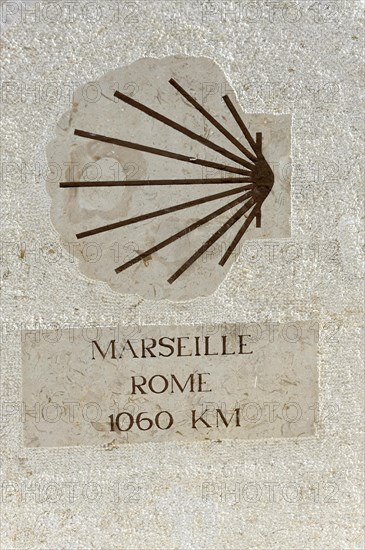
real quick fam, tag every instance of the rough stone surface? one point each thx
(300, 58)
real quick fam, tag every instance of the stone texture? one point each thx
(310, 67)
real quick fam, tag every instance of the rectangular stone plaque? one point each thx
(164, 383)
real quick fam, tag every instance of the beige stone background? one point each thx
(302, 58)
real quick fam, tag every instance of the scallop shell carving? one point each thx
(158, 178)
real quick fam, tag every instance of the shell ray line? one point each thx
(161, 152)
(211, 119)
(240, 123)
(212, 239)
(163, 211)
(239, 236)
(176, 126)
(183, 232)
(136, 183)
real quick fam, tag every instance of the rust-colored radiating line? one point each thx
(183, 232)
(161, 152)
(176, 126)
(240, 122)
(163, 211)
(212, 240)
(213, 181)
(213, 121)
(259, 142)
(238, 237)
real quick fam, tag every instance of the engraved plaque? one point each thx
(166, 383)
